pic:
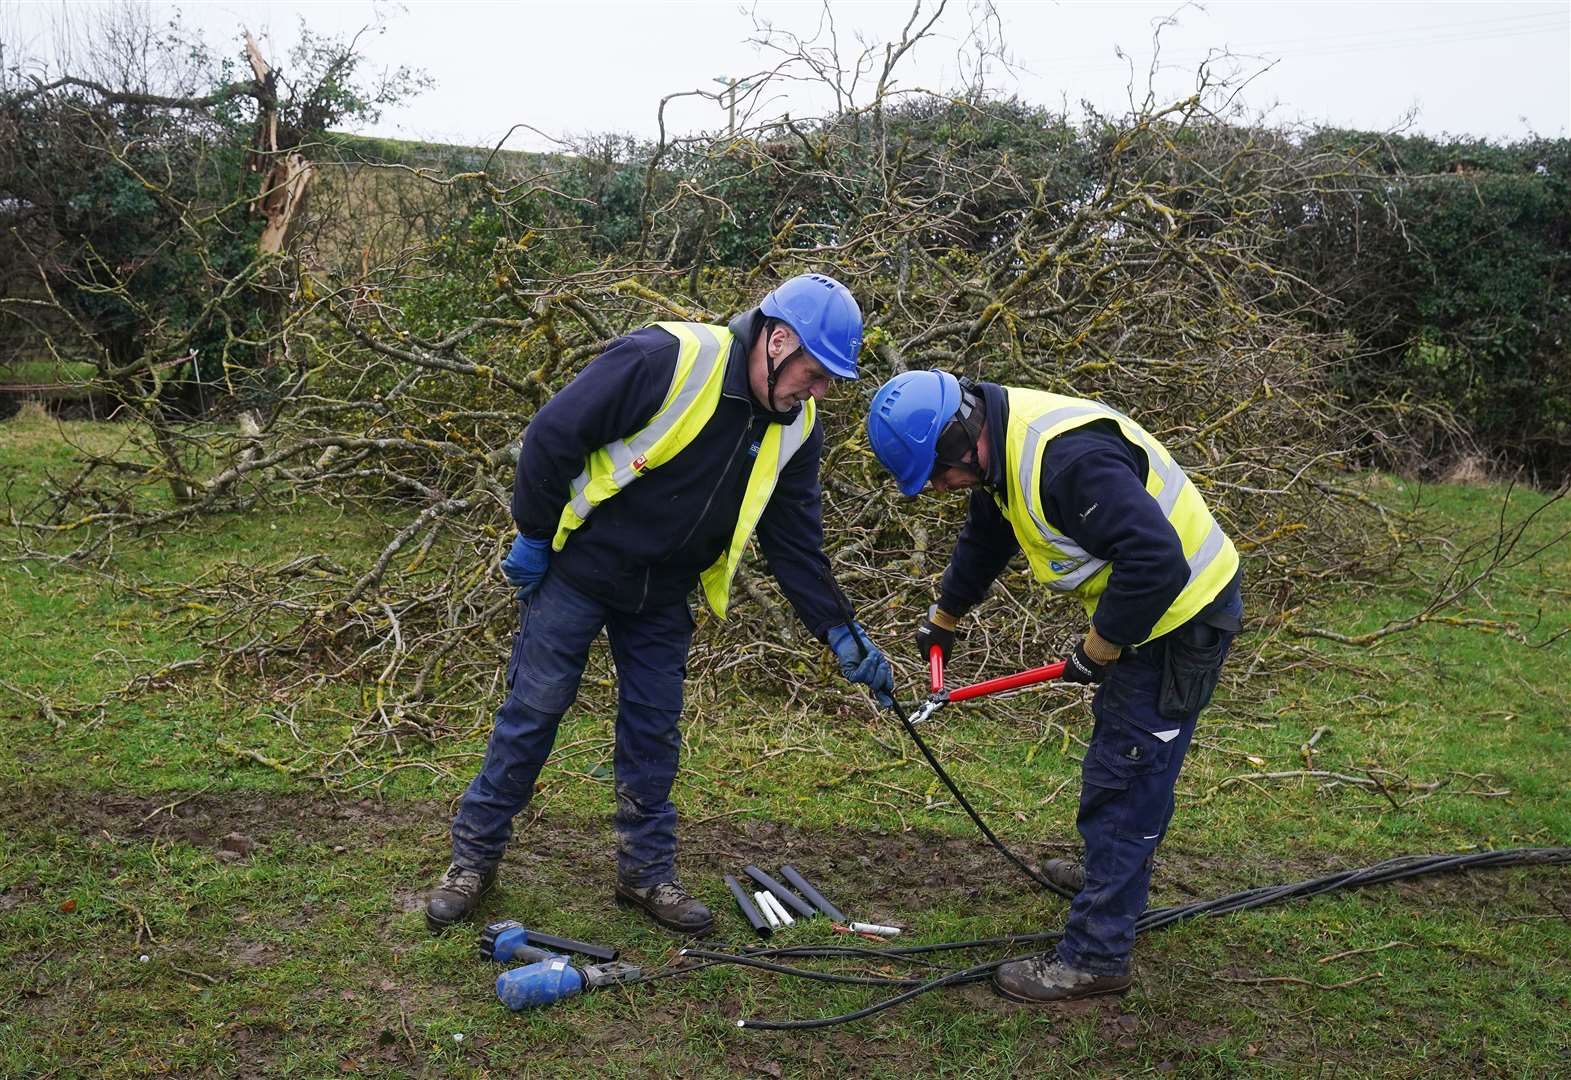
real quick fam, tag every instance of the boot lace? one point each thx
(669, 893)
(461, 880)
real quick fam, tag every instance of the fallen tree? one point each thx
(1134, 259)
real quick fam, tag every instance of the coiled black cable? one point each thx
(1397, 869)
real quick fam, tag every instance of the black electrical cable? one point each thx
(849, 615)
(954, 978)
(1396, 869)
(805, 973)
(1401, 868)
(1028, 871)
(839, 952)
(904, 952)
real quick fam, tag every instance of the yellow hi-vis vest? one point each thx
(688, 405)
(1062, 565)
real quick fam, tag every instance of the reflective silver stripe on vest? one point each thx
(1209, 549)
(625, 452)
(791, 440)
(1078, 565)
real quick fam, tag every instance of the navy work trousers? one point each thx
(557, 624)
(1126, 792)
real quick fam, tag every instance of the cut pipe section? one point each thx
(790, 899)
(762, 900)
(779, 909)
(814, 897)
(749, 911)
(875, 928)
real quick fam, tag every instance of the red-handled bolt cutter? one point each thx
(941, 697)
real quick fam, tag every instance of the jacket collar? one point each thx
(745, 329)
(996, 400)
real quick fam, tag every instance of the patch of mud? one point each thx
(881, 874)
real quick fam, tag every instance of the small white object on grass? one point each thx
(874, 928)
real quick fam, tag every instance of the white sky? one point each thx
(1501, 70)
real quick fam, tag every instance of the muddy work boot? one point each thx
(1046, 978)
(1067, 874)
(455, 896)
(668, 904)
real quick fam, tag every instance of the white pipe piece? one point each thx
(874, 928)
(761, 899)
(780, 908)
(769, 904)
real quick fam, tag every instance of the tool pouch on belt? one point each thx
(1193, 662)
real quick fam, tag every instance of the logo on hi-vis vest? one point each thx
(1063, 566)
(752, 451)
(639, 462)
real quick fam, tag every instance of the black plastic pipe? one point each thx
(779, 891)
(567, 944)
(750, 910)
(814, 897)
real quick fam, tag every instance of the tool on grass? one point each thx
(1401, 868)
(506, 941)
(814, 897)
(548, 981)
(750, 912)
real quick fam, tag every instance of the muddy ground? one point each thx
(884, 876)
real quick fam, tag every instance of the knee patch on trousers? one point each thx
(662, 690)
(543, 695)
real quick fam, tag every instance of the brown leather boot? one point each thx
(455, 896)
(1067, 874)
(668, 904)
(1045, 978)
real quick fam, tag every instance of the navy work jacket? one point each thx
(1093, 488)
(646, 545)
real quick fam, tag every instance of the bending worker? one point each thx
(1103, 514)
(642, 478)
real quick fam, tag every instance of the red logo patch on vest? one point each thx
(639, 462)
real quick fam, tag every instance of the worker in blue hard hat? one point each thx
(639, 481)
(1104, 514)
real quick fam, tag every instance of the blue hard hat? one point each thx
(904, 422)
(825, 317)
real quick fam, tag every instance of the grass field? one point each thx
(181, 894)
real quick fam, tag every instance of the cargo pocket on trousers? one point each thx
(1124, 748)
(1190, 669)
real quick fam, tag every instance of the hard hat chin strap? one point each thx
(772, 368)
(962, 435)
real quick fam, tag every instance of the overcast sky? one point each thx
(1501, 70)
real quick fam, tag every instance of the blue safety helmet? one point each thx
(904, 422)
(825, 317)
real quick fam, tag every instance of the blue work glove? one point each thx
(525, 564)
(871, 670)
